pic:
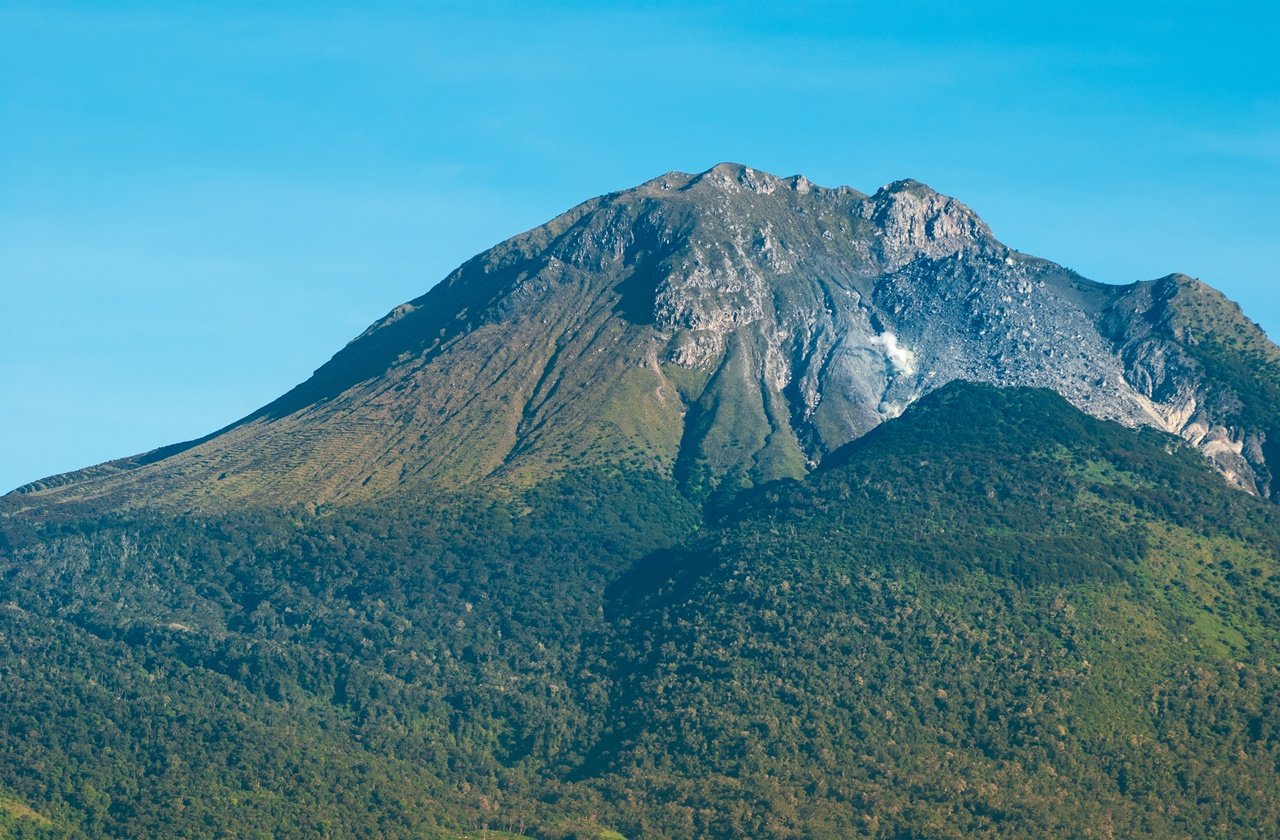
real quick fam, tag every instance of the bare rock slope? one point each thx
(724, 328)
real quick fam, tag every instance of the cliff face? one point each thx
(729, 328)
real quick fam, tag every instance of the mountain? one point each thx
(724, 506)
(725, 329)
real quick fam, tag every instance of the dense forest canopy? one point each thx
(993, 616)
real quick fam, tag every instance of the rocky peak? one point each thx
(730, 179)
(914, 220)
(734, 177)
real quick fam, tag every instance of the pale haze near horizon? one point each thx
(199, 205)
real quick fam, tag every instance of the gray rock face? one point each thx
(856, 306)
(730, 326)
(846, 308)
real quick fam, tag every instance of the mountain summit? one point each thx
(725, 329)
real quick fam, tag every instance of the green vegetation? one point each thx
(369, 671)
(992, 617)
(18, 820)
(1234, 352)
(979, 620)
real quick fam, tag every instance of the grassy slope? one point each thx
(1236, 352)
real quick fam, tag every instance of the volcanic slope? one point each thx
(722, 329)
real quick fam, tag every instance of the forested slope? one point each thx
(993, 616)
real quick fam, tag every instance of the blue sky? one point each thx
(200, 203)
